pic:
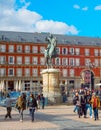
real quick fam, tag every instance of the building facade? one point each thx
(22, 60)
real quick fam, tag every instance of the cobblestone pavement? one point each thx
(59, 117)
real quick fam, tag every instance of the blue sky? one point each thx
(69, 17)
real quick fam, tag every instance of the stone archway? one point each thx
(87, 79)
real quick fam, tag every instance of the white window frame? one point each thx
(42, 49)
(57, 61)
(19, 60)
(64, 61)
(35, 72)
(77, 51)
(35, 60)
(2, 59)
(64, 51)
(58, 50)
(27, 49)
(42, 61)
(27, 72)
(19, 48)
(96, 62)
(71, 72)
(9, 60)
(34, 49)
(19, 72)
(96, 52)
(11, 69)
(100, 62)
(77, 62)
(2, 48)
(11, 48)
(71, 62)
(2, 72)
(71, 51)
(87, 52)
(87, 61)
(64, 71)
(27, 60)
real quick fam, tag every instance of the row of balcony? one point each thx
(41, 52)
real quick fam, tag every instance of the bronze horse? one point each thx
(50, 52)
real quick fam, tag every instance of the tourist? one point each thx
(32, 106)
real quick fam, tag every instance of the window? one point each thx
(96, 61)
(11, 48)
(2, 48)
(11, 72)
(27, 49)
(100, 62)
(19, 72)
(42, 49)
(58, 50)
(87, 52)
(64, 72)
(100, 72)
(27, 72)
(71, 72)
(19, 48)
(96, 52)
(64, 51)
(2, 59)
(35, 49)
(100, 52)
(2, 72)
(11, 59)
(19, 60)
(27, 60)
(35, 60)
(77, 51)
(71, 61)
(35, 72)
(57, 61)
(64, 61)
(42, 61)
(71, 51)
(77, 62)
(87, 61)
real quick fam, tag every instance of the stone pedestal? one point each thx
(51, 89)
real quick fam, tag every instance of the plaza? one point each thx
(56, 117)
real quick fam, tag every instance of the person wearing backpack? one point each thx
(21, 106)
(75, 100)
(94, 101)
(87, 99)
(32, 105)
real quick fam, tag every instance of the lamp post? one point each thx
(90, 66)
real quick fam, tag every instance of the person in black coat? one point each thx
(32, 105)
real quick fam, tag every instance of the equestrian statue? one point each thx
(50, 51)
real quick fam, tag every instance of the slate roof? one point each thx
(40, 38)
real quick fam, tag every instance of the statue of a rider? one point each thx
(50, 51)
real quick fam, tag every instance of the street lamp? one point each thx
(90, 65)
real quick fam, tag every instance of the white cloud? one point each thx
(55, 27)
(76, 6)
(97, 7)
(85, 8)
(13, 18)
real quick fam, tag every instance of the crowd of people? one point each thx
(85, 100)
(31, 103)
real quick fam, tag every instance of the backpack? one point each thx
(74, 101)
(95, 102)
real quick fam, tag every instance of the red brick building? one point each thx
(22, 60)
